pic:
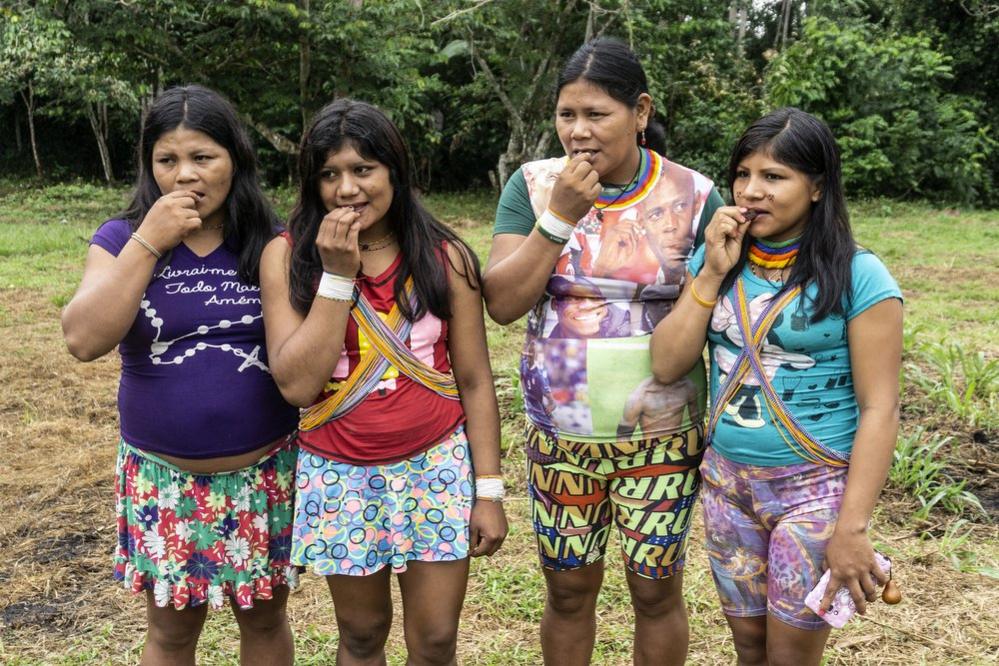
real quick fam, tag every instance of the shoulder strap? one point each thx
(387, 337)
(749, 362)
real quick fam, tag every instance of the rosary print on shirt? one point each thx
(230, 292)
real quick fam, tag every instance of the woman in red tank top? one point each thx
(375, 328)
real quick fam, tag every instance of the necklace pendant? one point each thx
(600, 216)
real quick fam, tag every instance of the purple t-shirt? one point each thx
(194, 375)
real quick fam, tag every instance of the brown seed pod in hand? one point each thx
(891, 594)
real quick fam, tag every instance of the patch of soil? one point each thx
(26, 614)
(68, 547)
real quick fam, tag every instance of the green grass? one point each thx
(946, 262)
(946, 265)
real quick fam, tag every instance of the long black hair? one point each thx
(421, 237)
(804, 143)
(614, 68)
(249, 219)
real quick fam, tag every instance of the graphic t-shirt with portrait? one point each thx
(585, 369)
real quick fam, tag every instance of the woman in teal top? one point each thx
(804, 331)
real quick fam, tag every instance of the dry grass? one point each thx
(58, 430)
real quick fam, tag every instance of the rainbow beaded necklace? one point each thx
(649, 168)
(774, 255)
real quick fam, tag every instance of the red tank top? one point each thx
(400, 417)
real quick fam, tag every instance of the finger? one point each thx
(352, 233)
(179, 194)
(492, 545)
(869, 585)
(343, 226)
(827, 598)
(475, 539)
(857, 593)
(739, 232)
(186, 198)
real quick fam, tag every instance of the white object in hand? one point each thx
(842, 607)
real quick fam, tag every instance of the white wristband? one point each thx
(491, 489)
(554, 227)
(336, 287)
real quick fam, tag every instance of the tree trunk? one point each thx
(304, 70)
(29, 104)
(18, 141)
(783, 26)
(511, 158)
(99, 123)
(281, 143)
(738, 17)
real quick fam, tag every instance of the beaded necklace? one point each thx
(645, 178)
(774, 256)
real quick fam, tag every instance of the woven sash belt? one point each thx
(749, 363)
(388, 339)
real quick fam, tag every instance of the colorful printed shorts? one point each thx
(357, 519)
(767, 529)
(204, 538)
(648, 487)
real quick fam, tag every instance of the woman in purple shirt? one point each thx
(205, 464)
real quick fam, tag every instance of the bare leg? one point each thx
(171, 635)
(264, 635)
(569, 624)
(791, 646)
(661, 629)
(750, 635)
(432, 595)
(363, 606)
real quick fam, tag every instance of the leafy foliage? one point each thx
(909, 87)
(882, 93)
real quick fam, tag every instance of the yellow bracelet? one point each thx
(701, 301)
(488, 476)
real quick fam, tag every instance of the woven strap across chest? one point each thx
(750, 364)
(387, 337)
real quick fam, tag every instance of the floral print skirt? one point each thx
(204, 538)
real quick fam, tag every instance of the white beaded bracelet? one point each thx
(554, 228)
(490, 489)
(336, 287)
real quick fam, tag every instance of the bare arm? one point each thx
(875, 341)
(473, 374)
(516, 274)
(107, 300)
(678, 340)
(304, 350)
(632, 410)
(519, 266)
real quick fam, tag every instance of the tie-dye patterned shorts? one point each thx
(767, 530)
(647, 487)
(357, 519)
